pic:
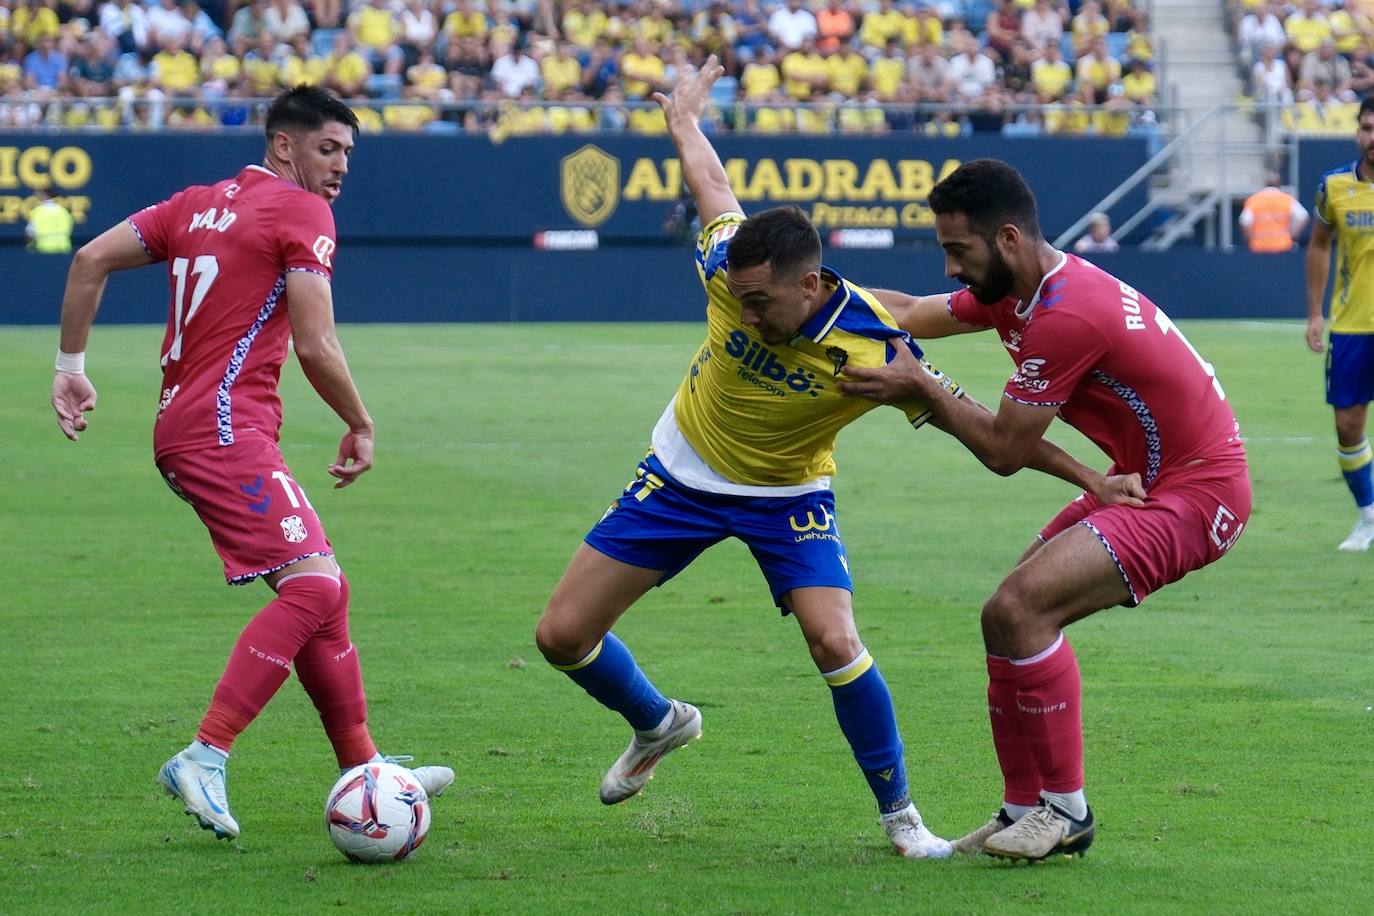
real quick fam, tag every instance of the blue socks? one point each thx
(1355, 467)
(610, 675)
(863, 707)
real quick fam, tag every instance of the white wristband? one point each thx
(75, 363)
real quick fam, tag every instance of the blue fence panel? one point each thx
(447, 188)
(1316, 157)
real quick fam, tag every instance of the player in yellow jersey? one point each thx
(1345, 210)
(745, 450)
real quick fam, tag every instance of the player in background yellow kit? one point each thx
(1345, 210)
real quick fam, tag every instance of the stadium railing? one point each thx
(507, 118)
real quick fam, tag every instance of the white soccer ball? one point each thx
(377, 812)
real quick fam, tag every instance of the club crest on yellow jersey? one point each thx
(838, 357)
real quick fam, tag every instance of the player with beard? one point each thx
(1089, 349)
(745, 449)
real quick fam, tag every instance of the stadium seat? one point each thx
(442, 127)
(976, 14)
(1021, 129)
(322, 41)
(1116, 45)
(1066, 48)
(384, 86)
(723, 92)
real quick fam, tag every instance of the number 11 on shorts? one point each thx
(292, 488)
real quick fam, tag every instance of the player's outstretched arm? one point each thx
(923, 317)
(1318, 267)
(1048, 458)
(701, 166)
(311, 307)
(1011, 439)
(73, 395)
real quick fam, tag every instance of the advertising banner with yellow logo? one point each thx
(627, 189)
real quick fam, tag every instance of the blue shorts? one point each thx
(660, 524)
(1350, 370)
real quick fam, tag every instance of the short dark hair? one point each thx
(1366, 106)
(991, 194)
(782, 236)
(307, 108)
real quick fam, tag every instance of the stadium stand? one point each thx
(1306, 64)
(515, 67)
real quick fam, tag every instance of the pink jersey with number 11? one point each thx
(228, 248)
(1117, 368)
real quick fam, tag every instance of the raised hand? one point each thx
(691, 92)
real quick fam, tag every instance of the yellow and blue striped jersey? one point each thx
(1346, 202)
(762, 415)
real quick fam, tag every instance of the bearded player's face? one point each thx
(972, 260)
(321, 159)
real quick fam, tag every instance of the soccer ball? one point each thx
(377, 812)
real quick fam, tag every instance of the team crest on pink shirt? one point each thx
(293, 529)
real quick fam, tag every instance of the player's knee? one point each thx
(312, 594)
(560, 643)
(834, 647)
(1349, 430)
(1009, 609)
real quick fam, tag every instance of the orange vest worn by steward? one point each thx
(1272, 212)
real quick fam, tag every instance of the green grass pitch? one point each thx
(1228, 720)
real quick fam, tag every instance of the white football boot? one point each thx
(911, 837)
(971, 844)
(200, 787)
(1048, 830)
(1360, 537)
(636, 766)
(433, 779)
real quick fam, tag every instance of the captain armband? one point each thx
(946, 382)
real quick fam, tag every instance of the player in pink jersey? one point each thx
(1092, 350)
(250, 261)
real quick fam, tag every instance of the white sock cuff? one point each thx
(1041, 656)
(859, 659)
(285, 579)
(206, 744)
(893, 815)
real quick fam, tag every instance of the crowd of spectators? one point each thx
(533, 66)
(1314, 58)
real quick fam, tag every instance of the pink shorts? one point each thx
(259, 518)
(1191, 518)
